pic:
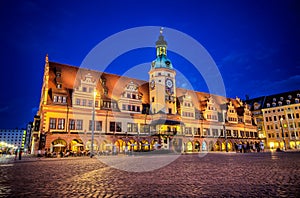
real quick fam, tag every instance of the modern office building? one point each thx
(11, 139)
(78, 105)
(277, 118)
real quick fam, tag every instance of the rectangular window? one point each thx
(98, 125)
(145, 128)
(197, 131)
(242, 133)
(112, 126)
(235, 133)
(71, 124)
(54, 98)
(90, 103)
(153, 99)
(129, 107)
(247, 133)
(188, 130)
(215, 132)
(228, 133)
(90, 125)
(61, 123)
(96, 103)
(52, 124)
(138, 109)
(59, 98)
(123, 107)
(77, 101)
(132, 127)
(79, 124)
(84, 102)
(170, 111)
(119, 127)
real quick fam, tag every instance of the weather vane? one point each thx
(161, 30)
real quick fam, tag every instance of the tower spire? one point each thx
(161, 44)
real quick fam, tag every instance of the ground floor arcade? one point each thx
(123, 143)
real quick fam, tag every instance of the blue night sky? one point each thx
(255, 44)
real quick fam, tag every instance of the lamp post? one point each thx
(282, 133)
(224, 130)
(93, 126)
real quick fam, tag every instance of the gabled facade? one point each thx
(134, 114)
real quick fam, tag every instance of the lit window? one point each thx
(72, 124)
(77, 101)
(54, 98)
(61, 123)
(52, 123)
(79, 124)
(64, 99)
(98, 125)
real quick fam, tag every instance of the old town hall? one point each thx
(79, 105)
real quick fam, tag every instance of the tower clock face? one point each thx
(169, 83)
(152, 84)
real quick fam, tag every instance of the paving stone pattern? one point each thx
(214, 175)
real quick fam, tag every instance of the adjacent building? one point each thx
(78, 105)
(277, 118)
(11, 139)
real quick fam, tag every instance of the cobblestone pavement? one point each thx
(212, 175)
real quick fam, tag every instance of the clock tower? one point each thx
(162, 84)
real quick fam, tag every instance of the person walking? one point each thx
(20, 154)
(16, 154)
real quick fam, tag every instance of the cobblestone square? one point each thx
(193, 175)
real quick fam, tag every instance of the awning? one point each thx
(166, 122)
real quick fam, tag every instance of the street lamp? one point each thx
(282, 133)
(224, 130)
(93, 125)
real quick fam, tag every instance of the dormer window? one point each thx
(274, 104)
(58, 74)
(297, 100)
(290, 97)
(288, 102)
(280, 103)
(268, 104)
(298, 95)
(274, 99)
(58, 86)
(84, 89)
(281, 98)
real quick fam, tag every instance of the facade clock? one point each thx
(169, 83)
(152, 84)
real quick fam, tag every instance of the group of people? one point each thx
(247, 147)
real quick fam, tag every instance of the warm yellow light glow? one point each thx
(271, 144)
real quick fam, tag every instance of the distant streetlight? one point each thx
(282, 133)
(93, 126)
